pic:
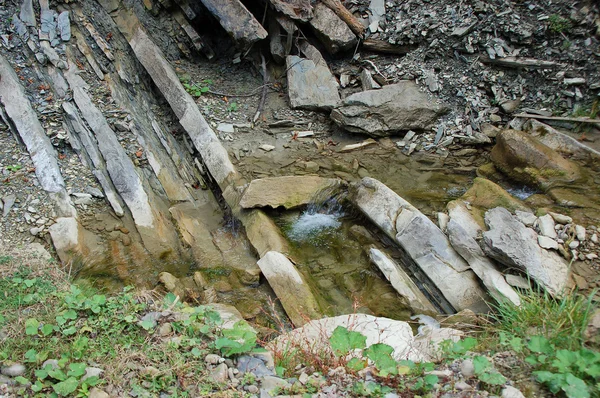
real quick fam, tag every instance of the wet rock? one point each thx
(13, 370)
(422, 240)
(292, 291)
(314, 336)
(311, 86)
(386, 111)
(511, 243)
(401, 281)
(288, 191)
(527, 160)
(331, 30)
(486, 194)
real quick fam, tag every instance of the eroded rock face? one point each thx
(422, 240)
(388, 110)
(288, 191)
(527, 160)
(311, 86)
(397, 334)
(514, 245)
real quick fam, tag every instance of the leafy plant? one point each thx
(14, 167)
(233, 107)
(237, 340)
(558, 24)
(197, 89)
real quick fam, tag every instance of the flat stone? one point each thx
(546, 226)
(311, 86)
(9, 201)
(266, 147)
(331, 30)
(289, 191)
(401, 281)
(226, 128)
(514, 245)
(292, 291)
(422, 240)
(64, 26)
(269, 383)
(580, 232)
(527, 218)
(27, 14)
(388, 110)
(248, 364)
(561, 218)
(517, 281)
(547, 243)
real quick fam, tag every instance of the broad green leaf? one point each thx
(31, 355)
(493, 378)
(38, 386)
(29, 282)
(69, 331)
(481, 364)
(343, 341)
(431, 380)
(196, 352)
(41, 373)
(554, 381)
(57, 374)
(91, 381)
(66, 387)
(21, 380)
(31, 326)
(60, 320)
(70, 314)
(76, 369)
(381, 355)
(47, 329)
(564, 360)
(147, 324)
(169, 299)
(516, 344)
(540, 345)
(575, 387)
(462, 346)
(356, 364)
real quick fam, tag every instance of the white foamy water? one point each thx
(309, 224)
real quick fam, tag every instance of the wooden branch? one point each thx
(518, 62)
(346, 16)
(558, 118)
(381, 46)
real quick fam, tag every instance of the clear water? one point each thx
(521, 193)
(310, 224)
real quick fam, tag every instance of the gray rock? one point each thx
(27, 15)
(95, 192)
(518, 281)
(401, 281)
(511, 392)
(561, 218)
(546, 226)
(219, 374)
(467, 368)
(293, 292)
(547, 243)
(246, 364)
(331, 30)
(9, 201)
(515, 245)
(462, 386)
(269, 383)
(422, 240)
(527, 218)
(367, 81)
(91, 371)
(212, 359)
(310, 85)
(64, 26)
(466, 245)
(98, 393)
(82, 198)
(13, 370)
(386, 111)
(580, 232)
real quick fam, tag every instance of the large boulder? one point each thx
(311, 86)
(423, 241)
(314, 336)
(385, 111)
(514, 245)
(331, 30)
(525, 159)
(292, 291)
(288, 191)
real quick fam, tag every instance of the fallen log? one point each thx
(346, 16)
(235, 18)
(518, 62)
(381, 46)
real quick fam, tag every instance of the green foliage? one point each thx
(237, 340)
(197, 89)
(343, 341)
(558, 24)
(561, 321)
(14, 167)
(233, 107)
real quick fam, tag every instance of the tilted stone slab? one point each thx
(401, 281)
(44, 157)
(213, 154)
(331, 30)
(288, 191)
(235, 18)
(382, 112)
(289, 286)
(423, 241)
(311, 85)
(514, 245)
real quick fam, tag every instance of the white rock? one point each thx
(525, 217)
(226, 128)
(443, 219)
(580, 232)
(511, 392)
(547, 243)
(546, 226)
(574, 244)
(267, 147)
(517, 281)
(591, 256)
(561, 218)
(594, 238)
